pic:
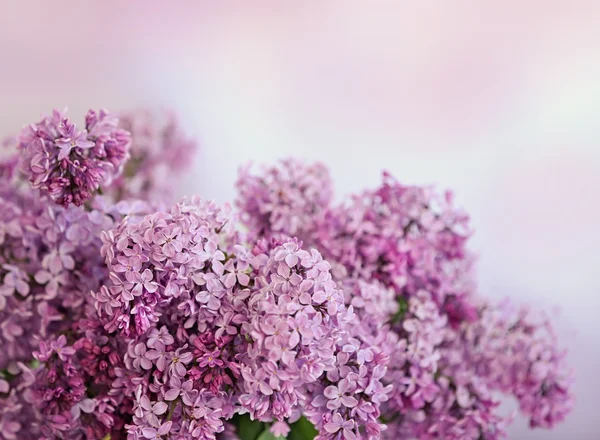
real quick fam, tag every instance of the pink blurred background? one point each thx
(498, 101)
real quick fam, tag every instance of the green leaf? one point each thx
(268, 435)
(302, 430)
(402, 309)
(247, 429)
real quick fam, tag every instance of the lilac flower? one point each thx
(285, 278)
(280, 429)
(9, 229)
(13, 282)
(236, 273)
(71, 138)
(288, 253)
(185, 390)
(129, 267)
(191, 321)
(167, 240)
(206, 420)
(272, 305)
(337, 423)
(144, 281)
(159, 151)
(59, 259)
(52, 280)
(144, 316)
(61, 349)
(105, 302)
(158, 355)
(150, 411)
(69, 165)
(86, 406)
(288, 198)
(178, 361)
(301, 328)
(9, 429)
(211, 359)
(159, 336)
(140, 357)
(337, 395)
(152, 433)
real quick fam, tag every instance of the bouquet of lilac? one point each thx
(123, 316)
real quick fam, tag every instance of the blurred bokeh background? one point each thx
(497, 100)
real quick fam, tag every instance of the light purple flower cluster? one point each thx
(215, 328)
(447, 349)
(68, 164)
(407, 237)
(522, 358)
(288, 198)
(347, 404)
(49, 262)
(293, 323)
(123, 319)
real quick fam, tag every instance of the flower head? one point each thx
(68, 164)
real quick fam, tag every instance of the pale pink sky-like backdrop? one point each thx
(497, 100)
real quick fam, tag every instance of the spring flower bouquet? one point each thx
(126, 316)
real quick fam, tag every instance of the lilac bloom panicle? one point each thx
(131, 319)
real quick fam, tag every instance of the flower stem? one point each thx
(172, 407)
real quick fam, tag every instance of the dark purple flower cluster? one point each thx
(128, 320)
(68, 164)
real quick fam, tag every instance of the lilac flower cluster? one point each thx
(213, 327)
(400, 255)
(68, 164)
(56, 355)
(522, 358)
(348, 404)
(49, 262)
(294, 315)
(49, 259)
(288, 198)
(125, 319)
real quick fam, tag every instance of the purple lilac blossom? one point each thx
(288, 198)
(442, 370)
(68, 164)
(124, 320)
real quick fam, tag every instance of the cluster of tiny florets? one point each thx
(400, 255)
(69, 164)
(123, 317)
(288, 198)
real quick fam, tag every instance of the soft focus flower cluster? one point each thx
(159, 149)
(124, 315)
